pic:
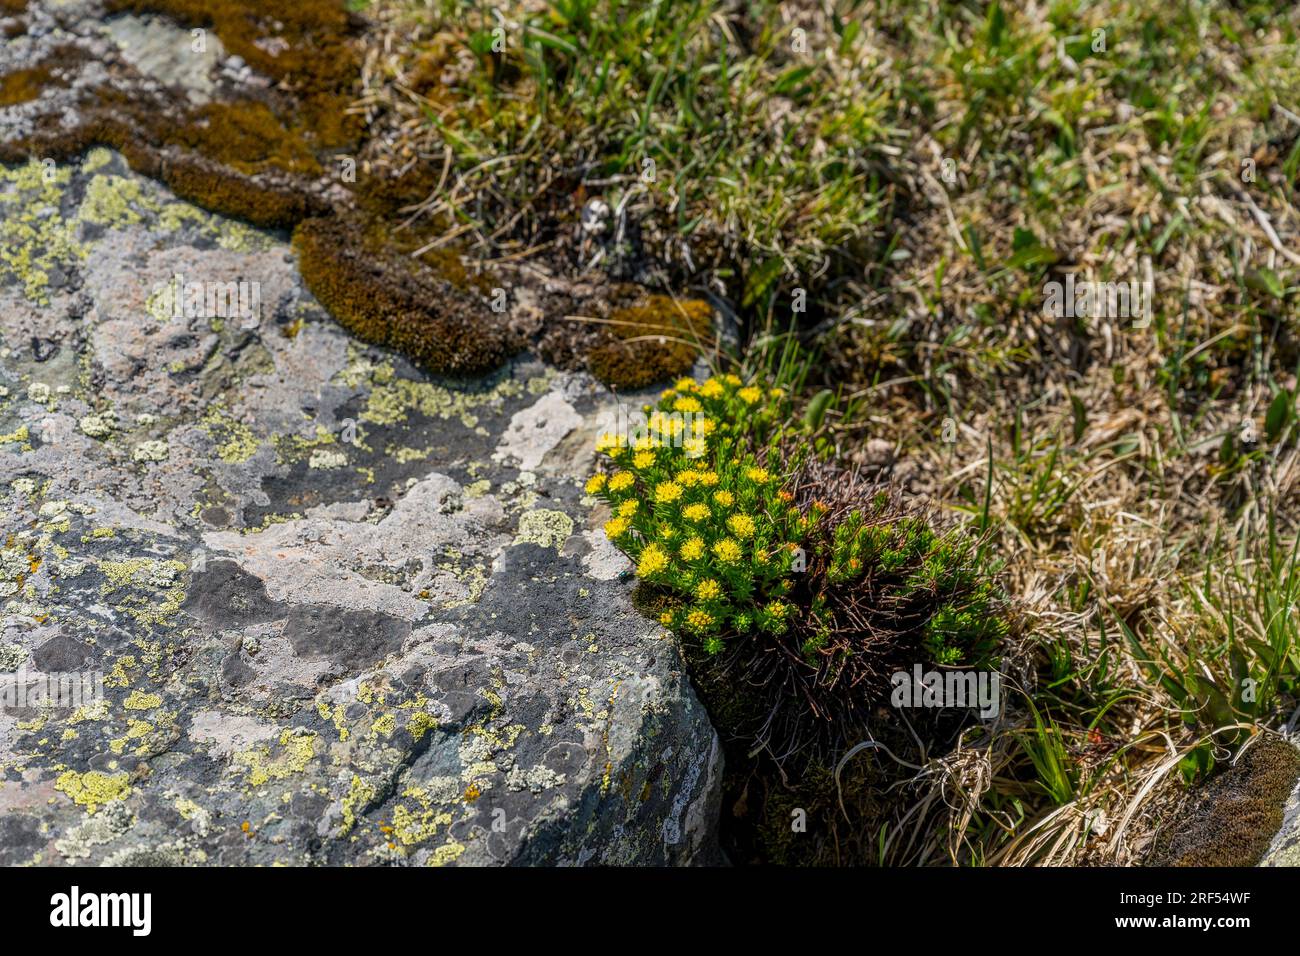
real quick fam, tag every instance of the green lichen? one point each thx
(143, 579)
(359, 796)
(34, 239)
(139, 700)
(113, 201)
(236, 442)
(544, 527)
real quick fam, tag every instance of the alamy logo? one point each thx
(208, 300)
(1082, 299)
(103, 909)
(979, 689)
(22, 689)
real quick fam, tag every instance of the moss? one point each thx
(246, 136)
(220, 191)
(651, 341)
(382, 298)
(1232, 819)
(260, 159)
(23, 85)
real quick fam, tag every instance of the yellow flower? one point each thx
(708, 478)
(615, 528)
(693, 549)
(628, 508)
(688, 478)
(695, 447)
(722, 497)
(698, 620)
(685, 385)
(759, 475)
(643, 460)
(732, 380)
(653, 561)
(667, 394)
(608, 441)
(666, 618)
(695, 512)
(712, 388)
(776, 392)
(687, 404)
(666, 492)
(595, 483)
(742, 526)
(778, 610)
(621, 481)
(727, 551)
(750, 395)
(708, 590)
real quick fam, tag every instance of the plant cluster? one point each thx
(784, 569)
(696, 506)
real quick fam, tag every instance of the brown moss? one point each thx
(1231, 820)
(12, 8)
(389, 299)
(217, 190)
(305, 46)
(245, 136)
(23, 85)
(655, 339)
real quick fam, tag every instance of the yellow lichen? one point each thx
(93, 788)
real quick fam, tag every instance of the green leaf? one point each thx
(1266, 281)
(997, 25)
(817, 409)
(758, 281)
(1279, 415)
(1080, 417)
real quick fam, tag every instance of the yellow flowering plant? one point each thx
(700, 512)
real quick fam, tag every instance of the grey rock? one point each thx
(353, 614)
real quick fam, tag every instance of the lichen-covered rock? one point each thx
(344, 613)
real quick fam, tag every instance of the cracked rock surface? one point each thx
(344, 613)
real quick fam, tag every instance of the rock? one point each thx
(343, 613)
